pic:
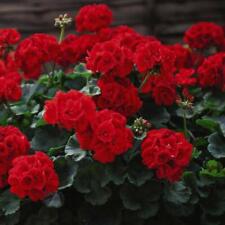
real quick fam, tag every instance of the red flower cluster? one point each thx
(93, 17)
(109, 58)
(111, 92)
(74, 49)
(164, 91)
(34, 51)
(9, 37)
(185, 78)
(13, 143)
(211, 73)
(183, 56)
(152, 56)
(33, 176)
(204, 35)
(71, 110)
(166, 151)
(157, 61)
(107, 136)
(124, 35)
(10, 80)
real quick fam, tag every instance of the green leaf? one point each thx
(66, 170)
(4, 116)
(215, 101)
(221, 122)
(47, 137)
(91, 180)
(215, 204)
(76, 84)
(190, 113)
(9, 203)
(157, 115)
(142, 199)
(54, 201)
(79, 75)
(196, 153)
(213, 168)
(98, 195)
(116, 171)
(138, 174)
(38, 120)
(73, 149)
(45, 216)
(28, 91)
(177, 193)
(216, 145)
(82, 70)
(208, 123)
(91, 90)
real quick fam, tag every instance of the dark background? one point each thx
(167, 19)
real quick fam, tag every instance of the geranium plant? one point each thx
(110, 127)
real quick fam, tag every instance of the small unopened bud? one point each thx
(140, 127)
(62, 20)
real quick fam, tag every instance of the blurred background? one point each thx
(166, 19)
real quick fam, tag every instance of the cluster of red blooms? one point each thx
(73, 49)
(156, 62)
(100, 14)
(8, 37)
(112, 54)
(10, 79)
(103, 132)
(35, 51)
(111, 59)
(211, 72)
(111, 92)
(33, 176)
(204, 35)
(13, 143)
(71, 110)
(107, 136)
(166, 151)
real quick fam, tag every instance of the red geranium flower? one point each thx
(111, 92)
(107, 136)
(13, 143)
(74, 49)
(185, 77)
(10, 81)
(9, 36)
(211, 72)
(183, 58)
(204, 35)
(71, 110)
(166, 151)
(33, 176)
(35, 51)
(93, 18)
(152, 56)
(109, 58)
(164, 92)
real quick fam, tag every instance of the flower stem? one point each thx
(7, 106)
(144, 81)
(185, 123)
(62, 33)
